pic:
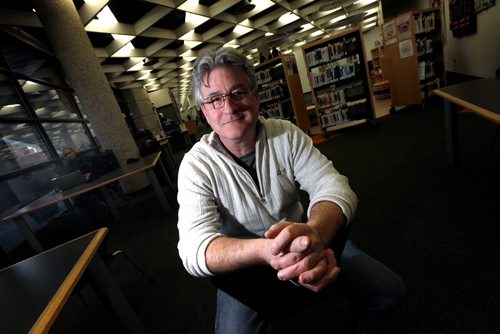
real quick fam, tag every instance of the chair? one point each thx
(71, 225)
(192, 130)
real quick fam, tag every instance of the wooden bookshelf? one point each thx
(280, 91)
(413, 59)
(338, 74)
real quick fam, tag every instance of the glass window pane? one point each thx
(67, 135)
(47, 101)
(19, 191)
(28, 60)
(10, 105)
(20, 147)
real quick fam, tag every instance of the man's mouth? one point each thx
(233, 119)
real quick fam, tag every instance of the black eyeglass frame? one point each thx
(236, 95)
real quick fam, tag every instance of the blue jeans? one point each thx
(247, 300)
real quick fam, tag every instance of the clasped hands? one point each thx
(299, 255)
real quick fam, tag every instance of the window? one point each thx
(48, 102)
(39, 116)
(67, 135)
(20, 147)
(10, 104)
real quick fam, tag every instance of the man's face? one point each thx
(235, 120)
(69, 154)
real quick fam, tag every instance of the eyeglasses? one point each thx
(218, 101)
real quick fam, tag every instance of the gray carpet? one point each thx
(436, 226)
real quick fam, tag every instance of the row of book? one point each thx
(424, 46)
(273, 110)
(339, 95)
(264, 76)
(426, 69)
(335, 71)
(331, 52)
(424, 22)
(343, 113)
(269, 74)
(336, 117)
(272, 93)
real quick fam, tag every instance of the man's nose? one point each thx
(229, 106)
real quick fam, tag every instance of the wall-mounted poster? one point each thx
(480, 5)
(406, 48)
(463, 20)
(389, 30)
(403, 25)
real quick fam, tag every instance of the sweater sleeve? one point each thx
(198, 221)
(318, 177)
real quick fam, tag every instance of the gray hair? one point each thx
(210, 60)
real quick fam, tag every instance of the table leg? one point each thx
(28, 234)
(110, 293)
(109, 201)
(167, 176)
(169, 156)
(158, 190)
(451, 128)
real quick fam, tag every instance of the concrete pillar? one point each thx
(72, 46)
(140, 106)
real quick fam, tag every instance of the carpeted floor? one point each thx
(437, 226)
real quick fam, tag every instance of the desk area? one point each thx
(480, 97)
(35, 290)
(144, 164)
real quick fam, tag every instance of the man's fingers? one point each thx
(330, 277)
(275, 229)
(294, 270)
(287, 235)
(314, 281)
(330, 257)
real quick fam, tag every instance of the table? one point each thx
(479, 96)
(144, 164)
(34, 291)
(169, 156)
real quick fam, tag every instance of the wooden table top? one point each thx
(34, 291)
(481, 96)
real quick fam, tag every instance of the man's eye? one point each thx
(216, 99)
(237, 95)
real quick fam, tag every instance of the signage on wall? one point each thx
(462, 17)
(389, 31)
(480, 5)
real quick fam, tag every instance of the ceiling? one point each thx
(152, 43)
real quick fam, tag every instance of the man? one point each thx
(75, 162)
(240, 213)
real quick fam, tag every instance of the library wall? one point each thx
(301, 66)
(369, 39)
(477, 54)
(160, 97)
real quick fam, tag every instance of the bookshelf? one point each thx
(413, 59)
(280, 90)
(340, 84)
